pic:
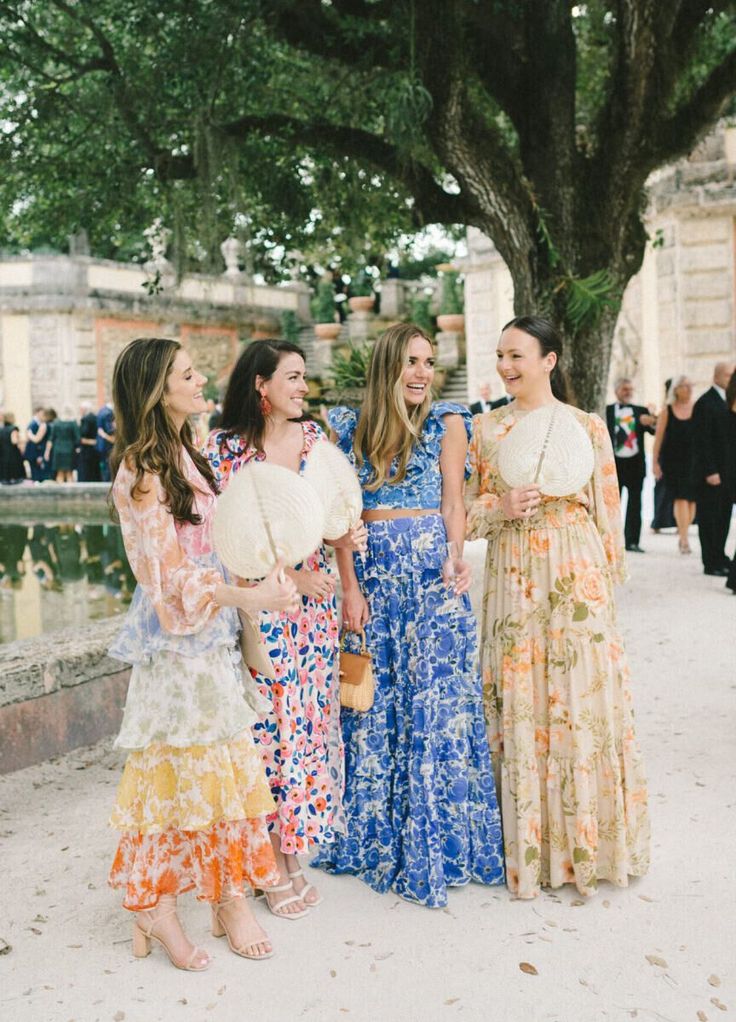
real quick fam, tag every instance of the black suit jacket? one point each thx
(639, 410)
(477, 406)
(710, 437)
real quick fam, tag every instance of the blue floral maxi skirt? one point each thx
(420, 801)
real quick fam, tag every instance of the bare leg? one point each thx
(162, 923)
(683, 517)
(244, 933)
(312, 896)
(276, 898)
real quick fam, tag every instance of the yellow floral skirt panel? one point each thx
(193, 818)
(559, 713)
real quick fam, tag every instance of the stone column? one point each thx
(393, 300)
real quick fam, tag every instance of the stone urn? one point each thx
(327, 331)
(451, 323)
(362, 303)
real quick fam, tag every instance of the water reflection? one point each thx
(60, 575)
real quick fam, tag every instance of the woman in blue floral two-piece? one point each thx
(419, 794)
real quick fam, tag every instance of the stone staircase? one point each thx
(456, 385)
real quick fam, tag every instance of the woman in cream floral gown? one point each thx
(556, 683)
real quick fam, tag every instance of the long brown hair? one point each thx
(386, 428)
(145, 436)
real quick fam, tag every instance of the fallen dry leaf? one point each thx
(5, 948)
(452, 1000)
(656, 960)
(718, 1004)
(714, 980)
(644, 897)
(333, 973)
(118, 1016)
(577, 902)
(528, 968)
(702, 1017)
(384, 956)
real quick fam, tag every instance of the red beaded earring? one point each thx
(266, 406)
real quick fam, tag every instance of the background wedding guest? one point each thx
(627, 423)
(664, 516)
(61, 446)
(484, 403)
(88, 464)
(50, 418)
(672, 456)
(730, 481)
(36, 433)
(105, 438)
(12, 470)
(710, 445)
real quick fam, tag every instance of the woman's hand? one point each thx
(355, 613)
(356, 539)
(457, 574)
(276, 592)
(317, 584)
(657, 471)
(521, 502)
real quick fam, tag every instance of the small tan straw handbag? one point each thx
(357, 687)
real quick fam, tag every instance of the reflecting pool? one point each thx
(60, 575)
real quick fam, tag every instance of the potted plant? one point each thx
(419, 313)
(349, 372)
(451, 318)
(362, 297)
(323, 311)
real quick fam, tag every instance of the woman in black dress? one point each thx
(673, 455)
(12, 469)
(730, 480)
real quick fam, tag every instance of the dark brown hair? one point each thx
(549, 341)
(241, 409)
(731, 393)
(145, 436)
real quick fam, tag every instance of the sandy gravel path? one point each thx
(662, 950)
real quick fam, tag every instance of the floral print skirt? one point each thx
(560, 719)
(192, 818)
(419, 795)
(299, 739)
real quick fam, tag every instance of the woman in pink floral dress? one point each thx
(193, 798)
(300, 738)
(555, 679)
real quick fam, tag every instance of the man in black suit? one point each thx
(710, 461)
(485, 404)
(627, 423)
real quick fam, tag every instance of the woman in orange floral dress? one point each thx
(556, 683)
(193, 799)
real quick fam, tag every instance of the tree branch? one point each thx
(676, 136)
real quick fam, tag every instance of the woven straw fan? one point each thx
(547, 448)
(267, 513)
(334, 479)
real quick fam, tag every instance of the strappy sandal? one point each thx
(143, 935)
(278, 908)
(219, 929)
(308, 886)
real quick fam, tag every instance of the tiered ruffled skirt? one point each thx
(193, 815)
(558, 705)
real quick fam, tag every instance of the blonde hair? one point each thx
(676, 383)
(386, 428)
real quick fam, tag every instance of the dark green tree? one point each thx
(537, 121)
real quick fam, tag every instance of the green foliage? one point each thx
(350, 370)
(361, 285)
(451, 298)
(290, 326)
(323, 303)
(587, 298)
(419, 313)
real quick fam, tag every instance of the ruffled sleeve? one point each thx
(604, 498)
(482, 497)
(342, 422)
(435, 427)
(181, 591)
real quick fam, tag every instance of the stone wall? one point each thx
(63, 320)
(678, 314)
(57, 693)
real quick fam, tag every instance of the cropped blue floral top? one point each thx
(422, 485)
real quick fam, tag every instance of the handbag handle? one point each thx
(363, 643)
